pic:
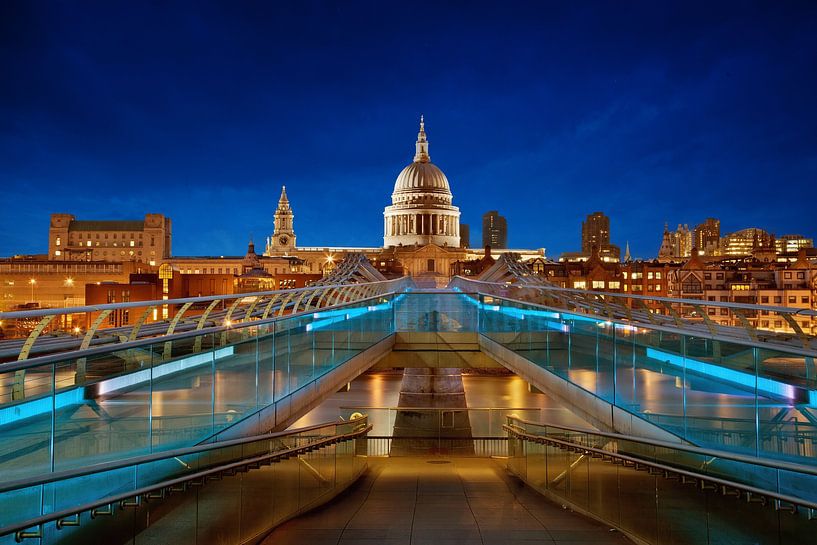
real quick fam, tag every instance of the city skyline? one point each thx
(723, 129)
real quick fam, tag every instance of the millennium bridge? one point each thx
(178, 428)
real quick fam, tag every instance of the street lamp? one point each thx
(33, 282)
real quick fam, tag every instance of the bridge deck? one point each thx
(416, 501)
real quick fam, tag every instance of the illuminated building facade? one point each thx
(706, 237)
(145, 241)
(675, 245)
(747, 242)
(494, 230)
(793, 285)
(421, 212)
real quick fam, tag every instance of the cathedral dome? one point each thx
(421, 211)
(425, 177)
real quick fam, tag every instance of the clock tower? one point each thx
(283, 238)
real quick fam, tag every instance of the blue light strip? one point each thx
(76, 396)
(765, 385)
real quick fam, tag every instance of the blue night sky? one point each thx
(649, 112)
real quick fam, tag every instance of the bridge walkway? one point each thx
(441, 501)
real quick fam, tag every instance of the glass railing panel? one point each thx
(234, 383)
(603, 484)
(627, 376)
(109, 413)
(266, 366)
(180, 394)
(26, 419)
(295, 339)
(714, 392)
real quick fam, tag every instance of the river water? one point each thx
(489, 399)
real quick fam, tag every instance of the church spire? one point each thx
(421, 154)
(283, 202)
(627, 256)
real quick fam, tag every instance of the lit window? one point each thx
(132, 243)
(58, 241)
(57, 252)
(89, 243)
(598, 284)
(650, 275)
(658, 276)
(580, 285)
(614, 285)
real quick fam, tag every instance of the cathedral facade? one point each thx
(421, 227)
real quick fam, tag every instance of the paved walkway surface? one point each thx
(441, 501)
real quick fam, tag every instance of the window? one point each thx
(724, 312)
(778, 323)
(764, 298)
(724, 298)
(89, 244)
(792, 299)
(707, 276)
(58, 241)
(691, 285)
(764, 312)
(804, 299)
(764, 323)
(625, 287)
(650, 287)
(638, 287)
(598, 284)
(787, 275)
(580, 285)
(614, 285)
(801, 276)
(711, 311)
(658, 287)
(626, 275)
(650, 275)
(132, 243)
(719, 276)
(710, 298)
(57, 252)
(778, 299)
(637, 275)
(658, 275)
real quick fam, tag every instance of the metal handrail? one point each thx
(168, 485)
(146, 458)
(615, 295)
(748, 341)
(71, 354)
(712, 453)
(162, 302)
(668, 471)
